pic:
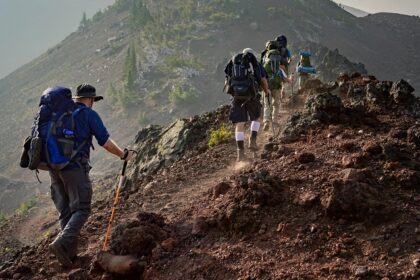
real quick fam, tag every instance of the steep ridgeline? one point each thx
(337, 197)
(156, 61)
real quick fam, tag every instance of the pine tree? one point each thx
(139, 14)
(84, 22)
(130, 75)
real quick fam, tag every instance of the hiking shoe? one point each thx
(253, 144)
(58, 251)
(241, 155)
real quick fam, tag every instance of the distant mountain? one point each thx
(354, 11)
(181, 48)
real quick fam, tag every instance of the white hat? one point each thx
(249, 50)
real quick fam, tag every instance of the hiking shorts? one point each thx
(243, 111)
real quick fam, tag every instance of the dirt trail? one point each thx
(173, 196)
(36, 225)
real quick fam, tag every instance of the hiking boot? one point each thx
(58, 251)
(253, 144)
(241, 155)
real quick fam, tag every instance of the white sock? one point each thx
(255, 126)
(239, 136)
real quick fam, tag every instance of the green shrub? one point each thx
(179, 61)
(2, 218)
(182, 97)
(25, 206)
(219, 136)
(143, 119)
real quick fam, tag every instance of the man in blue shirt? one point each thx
(71, 188)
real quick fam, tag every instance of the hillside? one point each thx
(354, 11)
(335, 197)
(181, 48)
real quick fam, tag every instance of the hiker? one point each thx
(304, 68)
(244, 77)
(71, 188)
(275, 65)
(286, 55)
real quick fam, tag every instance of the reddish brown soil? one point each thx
(340, 203)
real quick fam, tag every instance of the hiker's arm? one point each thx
(113, 148)
(264, 85)
(102, 136)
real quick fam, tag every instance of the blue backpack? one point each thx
(52, 141)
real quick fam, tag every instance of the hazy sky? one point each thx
(30, 27)
(409, 7)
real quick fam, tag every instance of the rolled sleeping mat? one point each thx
(305, 53)
(306, 70)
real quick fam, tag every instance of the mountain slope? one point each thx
(340, 201)
(181, 49)
(354, 11)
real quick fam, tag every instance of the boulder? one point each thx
(395, 152)
(120, 265)
(372, 148)
(137, 236)
(78, 274)
(401, 92)
(351, 200)
(306, 157)
(324, 107)
(413, 135)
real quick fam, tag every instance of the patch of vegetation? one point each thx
(179, 96)
(98, 16)
(25, 206)
(139, 14)
(219, 136)
(143, 119)
(154, 94)
(6, 250)
(179, 60)
(3, 218)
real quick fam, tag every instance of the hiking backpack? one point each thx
(271, 62)
(51, 144)
(241, 79)
(304, 66)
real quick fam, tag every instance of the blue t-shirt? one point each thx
(88, 123)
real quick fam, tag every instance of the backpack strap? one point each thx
(73, 127)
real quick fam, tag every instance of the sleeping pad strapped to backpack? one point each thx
(305, 66)
(52, 141)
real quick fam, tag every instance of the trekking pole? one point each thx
(121, 183)
(293, 81)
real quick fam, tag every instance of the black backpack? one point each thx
(241, 79)
(284, 53)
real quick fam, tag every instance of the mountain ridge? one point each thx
(338, 192)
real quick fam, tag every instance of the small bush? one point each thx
(180, 61)
(2, 218)
(143, 119)
(219, 136)
(25, 206)
(178, 96)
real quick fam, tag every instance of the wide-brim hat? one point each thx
(86, 90)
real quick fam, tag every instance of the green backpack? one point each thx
(271, 62)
